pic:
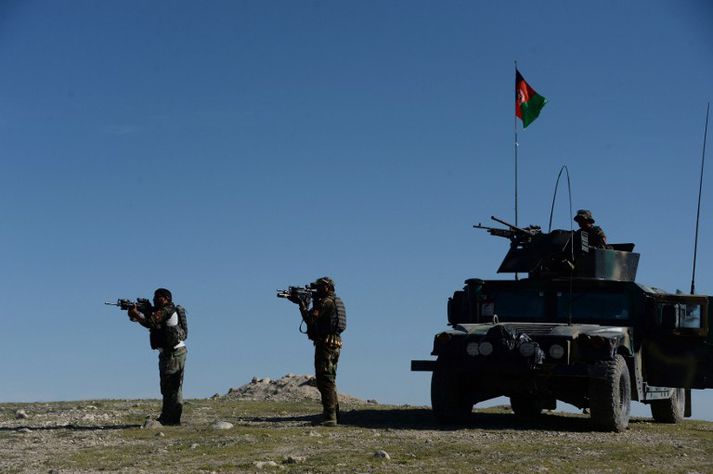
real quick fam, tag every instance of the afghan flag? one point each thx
(528, 103)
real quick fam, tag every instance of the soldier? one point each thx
(595, 234)
(325, 321)
(168, 330)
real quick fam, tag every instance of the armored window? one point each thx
(593, 306)
(514, 305)
(691, 318)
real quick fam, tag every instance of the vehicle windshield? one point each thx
(593, 306)
(515, 305)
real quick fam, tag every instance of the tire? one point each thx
(610, 397)
(450, 398)
(670, 410)
(526, 406)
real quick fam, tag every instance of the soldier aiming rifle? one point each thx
(325, 320)
(168, 329)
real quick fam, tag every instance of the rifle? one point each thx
(513, 233)
(142, 304)
(301, 293)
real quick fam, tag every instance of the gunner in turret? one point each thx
(596, 237)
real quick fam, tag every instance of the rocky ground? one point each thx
(241, 432)
(291, 387)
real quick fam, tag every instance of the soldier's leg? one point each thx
(171, 369)
(325, 362)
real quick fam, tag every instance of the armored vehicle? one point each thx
(574, 327)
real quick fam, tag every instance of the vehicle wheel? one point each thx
(450, 398)
(670, 410)
(526, 406)
(610, 398)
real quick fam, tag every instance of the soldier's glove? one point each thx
(294, 299)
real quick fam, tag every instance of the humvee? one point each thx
(575, 327)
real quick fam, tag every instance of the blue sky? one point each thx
(227, 149)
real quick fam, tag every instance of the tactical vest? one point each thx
(167, 337)
(334, 323)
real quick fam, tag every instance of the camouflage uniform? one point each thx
(325, 321)
(596, 237)
(168, 339)
(327, 348)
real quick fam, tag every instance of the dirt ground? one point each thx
(260, 436)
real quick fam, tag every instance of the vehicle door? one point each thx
(677, 350)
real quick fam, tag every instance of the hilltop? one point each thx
(230, 433)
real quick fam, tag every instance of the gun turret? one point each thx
(514, 233)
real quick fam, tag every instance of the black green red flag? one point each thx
(528, 102)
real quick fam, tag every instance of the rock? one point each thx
(21, 415)
(90, 407)
(382, 454)
(24, 430)
(288, 388)
(150, 424)
(160, 434)
(372, 402)
(221, 425)
(194, 445)
(314, 434)
(294, 459)
(264, 464)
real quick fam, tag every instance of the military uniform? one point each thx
(167, 335)
(595, 235)
(327, 347)
(325, 321)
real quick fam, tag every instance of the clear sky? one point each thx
(225, 149)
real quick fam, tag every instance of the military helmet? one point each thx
(324, 281)
(584, 214)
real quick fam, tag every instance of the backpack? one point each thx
(339, 321)
(182, 320)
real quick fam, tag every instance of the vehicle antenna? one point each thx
(571, 232)
(554, 196)
(698, 212)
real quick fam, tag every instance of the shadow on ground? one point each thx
(423, 419)
(70, 427)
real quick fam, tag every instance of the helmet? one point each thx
(585, 215)
(324, 281)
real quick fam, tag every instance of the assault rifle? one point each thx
(301, 293)
(142, 304)
(514, 233)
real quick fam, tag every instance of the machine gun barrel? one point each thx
(530, 231)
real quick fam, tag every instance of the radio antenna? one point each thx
(698, 212)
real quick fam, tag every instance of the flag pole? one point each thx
(516, 147)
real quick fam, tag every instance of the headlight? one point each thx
(556, 351)
(527, 349)
(472, 349)
(485, 348)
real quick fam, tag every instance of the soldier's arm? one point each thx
(602, 237)
(138, 316)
